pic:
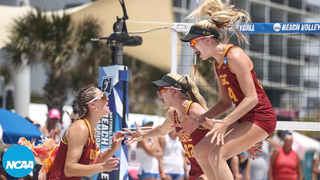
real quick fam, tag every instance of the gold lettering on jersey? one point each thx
(92, 154)
(188, 148)
(184, 139)
(224, 81)
(232, 95)
(223, 78)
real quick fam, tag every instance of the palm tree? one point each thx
(58, 47)
(5, 72)
(90, 55)
(71, 60)
(57, 43)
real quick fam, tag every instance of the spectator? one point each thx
(174, 163)
(35, 123)
(133, 159)
(53, 124)
(74, 116)
(285, 163)
(260, 166)
(316, 167)
(149, 151)
(240, 166)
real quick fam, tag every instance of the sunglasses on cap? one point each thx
(163, 88)
(103, 96)
(194, 41)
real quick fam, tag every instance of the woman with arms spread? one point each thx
(181, 94)
(77, 153)
(253, 119)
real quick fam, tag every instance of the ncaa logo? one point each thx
(106, 85)
(276, 27)
(18, 161)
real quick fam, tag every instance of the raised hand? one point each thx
(117, 139)
(111, 164)
(218, 131)
(134, 136)
(254, 149)
(187, 128)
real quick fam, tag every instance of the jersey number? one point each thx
(188, 148)
(232, 95)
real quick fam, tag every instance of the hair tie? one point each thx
(185, 77)
(210, 20)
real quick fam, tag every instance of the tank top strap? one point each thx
(188, 110)
(175, 114)
(64, 137)
(188, 107)
(225, 55)
(227, 50)
(175, 117)
(90, 133)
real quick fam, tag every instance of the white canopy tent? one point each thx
(301, 144)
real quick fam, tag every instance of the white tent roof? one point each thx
(156, 46)
(9, 13)
(307, 142)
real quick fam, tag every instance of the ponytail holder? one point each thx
(185, 77)
(210, 20)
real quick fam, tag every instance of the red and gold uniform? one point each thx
(262, 114)
(87, 157)
(188, 146)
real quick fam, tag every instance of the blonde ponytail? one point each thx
(224, 19)
(193, 91)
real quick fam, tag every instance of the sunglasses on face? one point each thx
(194, 41)
(102, 95)
(161, 89)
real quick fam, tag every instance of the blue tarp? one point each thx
(15, 126)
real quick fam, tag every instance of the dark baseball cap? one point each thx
(197, 31)
(169, 81)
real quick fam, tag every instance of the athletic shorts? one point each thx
(149, 175)
(268, 125)
(175, 176)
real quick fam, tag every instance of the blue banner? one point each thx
(114, 81)
(281, 28)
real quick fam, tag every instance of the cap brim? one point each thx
(160, 83)
(147, 122)
(54, 116)
(188, 37)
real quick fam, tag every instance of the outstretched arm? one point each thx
(160, 130)
(116, 143)
(272, 160)
(162, 142)
(315, 165)
(190, 125)
(247, 170)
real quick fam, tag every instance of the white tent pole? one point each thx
(174, 51)
(22, 88)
